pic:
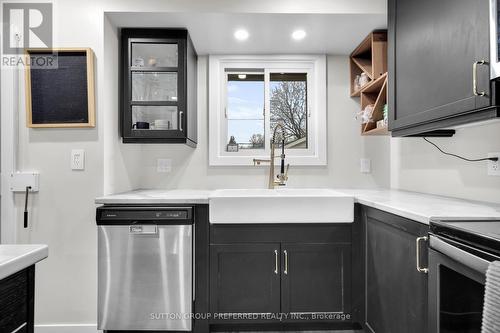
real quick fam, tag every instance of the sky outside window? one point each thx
(245, 109)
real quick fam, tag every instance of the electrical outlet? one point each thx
(494, 166)
(365, 165)
(78, 159)
(164, 165)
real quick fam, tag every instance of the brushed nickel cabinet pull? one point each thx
(181, 119)
(474, 78)
(286, 262)
(276, 262)
(417, 243)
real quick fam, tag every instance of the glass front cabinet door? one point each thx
(158, 86)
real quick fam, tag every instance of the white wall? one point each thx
(345, 148)
(62, 213)
(418, 166)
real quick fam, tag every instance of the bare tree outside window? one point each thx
(289, 106)
(257, 141)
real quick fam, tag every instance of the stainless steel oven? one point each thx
(494, 39)
(459, 255)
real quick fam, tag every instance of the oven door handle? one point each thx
(419, 268)
(465, 258)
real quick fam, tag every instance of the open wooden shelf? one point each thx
(370, 57)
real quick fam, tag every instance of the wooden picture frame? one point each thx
(63, 95)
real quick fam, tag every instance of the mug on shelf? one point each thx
(140, 125)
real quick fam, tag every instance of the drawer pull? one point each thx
(286, 262)
(276, 262)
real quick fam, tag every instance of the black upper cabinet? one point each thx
(396, 293)
(158, 86)
(432, 46)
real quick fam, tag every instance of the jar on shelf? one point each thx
(363, 79)
(366, 114)
(356, 83)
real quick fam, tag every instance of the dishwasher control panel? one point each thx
(137, 215)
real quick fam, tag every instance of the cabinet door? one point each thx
(154, 88)
(315, 278)
(17, 301)
(432, 48)
(245, 278)
(396, 293)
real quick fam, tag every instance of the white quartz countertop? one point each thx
(412, 205)
(156, 197)
(16, 257)
(424, 207)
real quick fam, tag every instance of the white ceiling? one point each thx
(212, 33)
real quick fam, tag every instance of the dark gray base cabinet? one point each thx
(244, 279)
(432, 46)
(396, 293)
(17, 293)
(280, 269)
(315, 280)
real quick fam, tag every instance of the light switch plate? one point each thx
(164, 165)
(365, 165)
(78, 159)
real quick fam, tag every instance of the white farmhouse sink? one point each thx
(283, 205)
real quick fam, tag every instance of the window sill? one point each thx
(248, 160)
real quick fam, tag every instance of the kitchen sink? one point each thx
(282, 205)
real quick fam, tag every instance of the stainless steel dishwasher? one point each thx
(145, 268)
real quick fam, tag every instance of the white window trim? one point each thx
(314, 65)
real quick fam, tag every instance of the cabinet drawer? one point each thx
(14, 301)
(311, 233)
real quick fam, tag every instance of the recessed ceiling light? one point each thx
(298, 34)
(241, 34)
(242, 76)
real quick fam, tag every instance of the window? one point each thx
(245, 109)
(288, 96)
(249, 95)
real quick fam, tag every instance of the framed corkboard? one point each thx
(60, 87)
